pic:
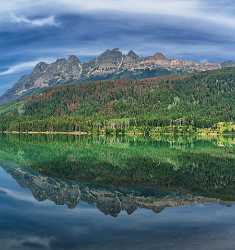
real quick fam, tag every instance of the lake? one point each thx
(128, 193)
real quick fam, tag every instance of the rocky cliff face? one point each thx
(112, 63)
(44, 75)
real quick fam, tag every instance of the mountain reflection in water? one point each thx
(120, 173)
(108, 200)
(163, 193)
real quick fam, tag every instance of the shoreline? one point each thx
(78, 133)
(130, 133)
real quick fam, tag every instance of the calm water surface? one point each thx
(117, 193)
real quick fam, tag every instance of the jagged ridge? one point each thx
(112, 64)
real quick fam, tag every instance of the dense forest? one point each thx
(188, 102)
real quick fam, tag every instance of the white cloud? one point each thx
(181, 8)
(202, 10)
(46, 21)
(23, 66)
(198, 9)
(147, 6)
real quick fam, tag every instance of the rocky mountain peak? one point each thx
(73, 59)
(111, 63)
(159, 56)
(116, 50)
(40, 68)
(61, 61)
(132, 54)
(131, 58)
(112, 57)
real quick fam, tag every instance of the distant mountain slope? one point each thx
(112, 64)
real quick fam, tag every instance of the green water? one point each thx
(188, 164)
(102, 193)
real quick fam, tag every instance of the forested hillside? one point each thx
(198, 100)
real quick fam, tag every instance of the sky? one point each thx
(44, 30)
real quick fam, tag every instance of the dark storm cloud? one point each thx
(195, 29)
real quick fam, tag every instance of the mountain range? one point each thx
(111, 64)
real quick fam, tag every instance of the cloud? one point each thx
(24, 66)
(193, 9)
(132, 6)
(147, 6)
(202, 10)
(38, 22)
(188, 29)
